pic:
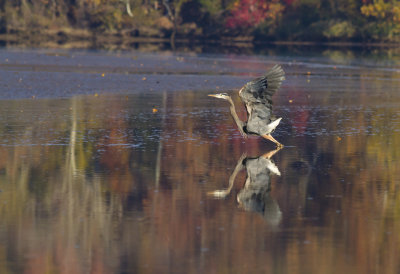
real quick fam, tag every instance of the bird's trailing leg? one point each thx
(269, 137)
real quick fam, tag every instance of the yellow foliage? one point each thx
(382, 10)
(275, 9)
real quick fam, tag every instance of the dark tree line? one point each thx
(293, 20)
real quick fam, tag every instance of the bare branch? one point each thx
(128, 7)
(170, 14)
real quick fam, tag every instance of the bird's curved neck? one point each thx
(240, 124)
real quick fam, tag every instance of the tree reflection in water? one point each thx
(102, 184)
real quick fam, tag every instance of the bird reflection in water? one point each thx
(255, 195)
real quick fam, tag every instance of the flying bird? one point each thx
(257, 97)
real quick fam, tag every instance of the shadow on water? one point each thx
(119, 183)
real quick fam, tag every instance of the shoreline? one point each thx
(84, 39)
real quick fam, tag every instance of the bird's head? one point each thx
(224, 96)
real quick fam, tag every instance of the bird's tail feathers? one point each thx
(271, 126)
(274, 76)
(273, 168)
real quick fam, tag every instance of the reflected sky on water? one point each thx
(115, 173)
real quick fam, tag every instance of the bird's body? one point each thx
(257, 97)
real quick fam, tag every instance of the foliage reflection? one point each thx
(104, 184)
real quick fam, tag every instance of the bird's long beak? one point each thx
(212, 95)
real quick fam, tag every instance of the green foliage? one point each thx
(298, 22)
(211, 7)
(106, 18)
(341, 29)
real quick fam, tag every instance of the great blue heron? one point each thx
(257, 97)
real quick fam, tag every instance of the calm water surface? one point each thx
(121, 163)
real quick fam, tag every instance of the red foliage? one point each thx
(249, 13)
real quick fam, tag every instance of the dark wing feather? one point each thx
(257, 96)
(261, 89)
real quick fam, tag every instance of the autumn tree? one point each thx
(384, 19)
(246, 14)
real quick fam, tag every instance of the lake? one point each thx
(119, 162)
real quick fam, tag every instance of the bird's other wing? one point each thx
(261, 89)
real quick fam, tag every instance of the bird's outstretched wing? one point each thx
(257, 96)
(261, 89)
